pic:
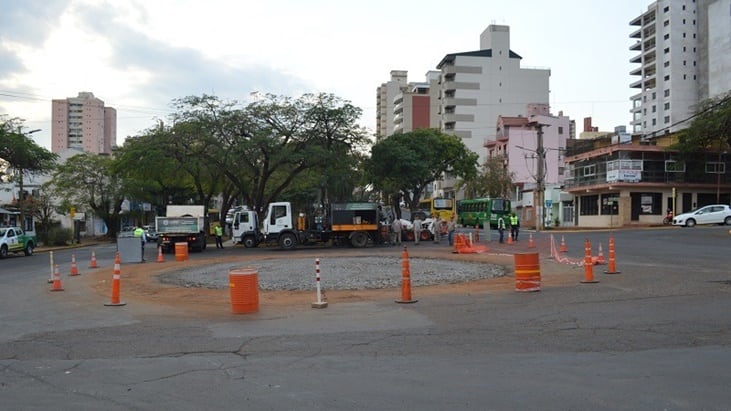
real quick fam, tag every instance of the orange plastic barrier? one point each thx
(405, 279)
(244, 286)
(527, 272)
(181, 251)
(116, 278)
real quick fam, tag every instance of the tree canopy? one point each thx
(404, 164)
(709, 129)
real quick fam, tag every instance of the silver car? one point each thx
(710, 214)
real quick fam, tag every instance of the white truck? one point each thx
(354, 223)
(182, 223)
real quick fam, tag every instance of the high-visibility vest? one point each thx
(514, 220)
(139, 232)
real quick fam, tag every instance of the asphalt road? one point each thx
(655, 337)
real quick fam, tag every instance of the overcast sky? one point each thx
(138, 56)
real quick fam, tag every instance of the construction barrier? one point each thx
(405, 279)
(320, 303)
(562, 259)
(181, 251)
(527, 272)
(116, 278)
(588, 264)
(244, 285)
(611, 268)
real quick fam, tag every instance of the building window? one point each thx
(654, 121)
(654, 109)
(610, 204)
(672, 166)
(666, 23)
(667, 78)
(667, 50)
(667, 93)
(650, 203)
(714, 167)
(560, 130)
(667, 64)
(589, 205)
(654, 95)
(667, 119)
(667, 106)
(667, 36)
(589, 170)
(667, 9)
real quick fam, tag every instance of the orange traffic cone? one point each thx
(405, 279)
(531, 244)
(563, 248)
(92, 264)
(160, 258)
(74, 268)
(510, 238)
(56, 280)
(588, 265)
(600, 257)
(612, 268)
(115, 284)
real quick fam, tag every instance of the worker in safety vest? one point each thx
(218, 230)
(501, 227)
(514, 226)
(140, 232)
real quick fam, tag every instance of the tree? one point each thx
(494, 181)
(710, 127)
(24, 156)
(405, 163)
(89, 181)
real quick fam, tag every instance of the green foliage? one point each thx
(405, 163)
(89, 181)
(495, 180)
(56, 236)
(709, 130)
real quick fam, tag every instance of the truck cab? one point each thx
(245, 228)
(279, 225)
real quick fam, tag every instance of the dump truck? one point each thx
(182, 224)
(354, 223)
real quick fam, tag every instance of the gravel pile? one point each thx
(338, 273)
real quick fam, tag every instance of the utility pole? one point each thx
(540, 173)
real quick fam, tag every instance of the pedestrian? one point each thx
(501, 227)
(218, 231)
(396, 231)
(437, 227)
(451, 227)
(417, 229)
(140, 232)
(514, 226)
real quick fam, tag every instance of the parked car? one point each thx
(150, 233)
(710, 214)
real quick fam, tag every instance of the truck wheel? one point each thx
(249, 241)
(287, 241)
(3, 251)
(359, 239)
(28, 249)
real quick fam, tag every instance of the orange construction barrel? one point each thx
(244, 286)
(181, 251)
(527, 272)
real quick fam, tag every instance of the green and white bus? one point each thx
(475, 211)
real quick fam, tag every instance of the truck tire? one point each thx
(248, 241)
(358, 239)
(287, 241)
(28, 248)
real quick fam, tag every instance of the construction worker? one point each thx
(514, 226)
(140, 232)
(501, 227)
(218, 231)
(417, 229)
(396, 232)
(437, 227)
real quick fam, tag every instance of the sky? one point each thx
(138, 56)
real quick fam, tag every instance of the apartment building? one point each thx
(385, 95)
(416, 106)
(83, 123)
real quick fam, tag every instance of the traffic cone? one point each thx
(531, 244)
(115, 284)
(160, 258)
(92, 264)
(74, 268)
(510, 238)
(56, 280)
(563, 248)
(588, 265)
(600, 257)
(405, 279)
(611, 268)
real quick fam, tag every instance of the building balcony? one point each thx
(636, 47)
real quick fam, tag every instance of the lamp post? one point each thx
(20, 184)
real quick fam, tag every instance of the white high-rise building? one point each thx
(684, 57)
(385, 96)
(478, 86)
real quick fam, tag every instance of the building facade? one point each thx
(83, 123)
(385, 95)
(416, 106)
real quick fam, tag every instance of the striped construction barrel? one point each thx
(527, 272)
(244, 286)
